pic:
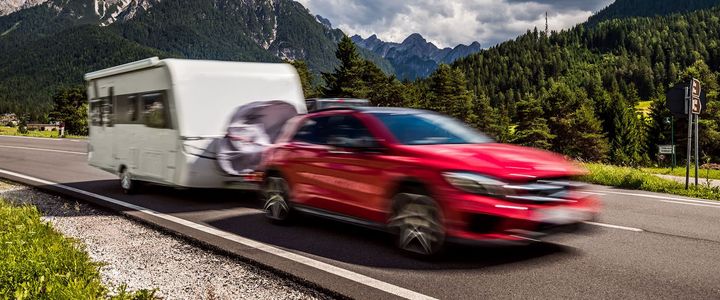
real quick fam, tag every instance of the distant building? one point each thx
(44, 127)
(8, 119)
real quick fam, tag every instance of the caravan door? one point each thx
(102, 133)
(158, 141)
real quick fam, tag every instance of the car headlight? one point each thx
(477, 184)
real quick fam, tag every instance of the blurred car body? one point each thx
(315, 104)
(163, 121)
(424, 176)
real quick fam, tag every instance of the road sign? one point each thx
(695, 93)
(676, 98)
(666, 149)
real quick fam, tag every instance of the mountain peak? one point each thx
(414, 38)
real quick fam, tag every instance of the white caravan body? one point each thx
(161, 120)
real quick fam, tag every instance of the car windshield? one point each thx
(427, 128)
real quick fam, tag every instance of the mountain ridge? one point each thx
(415, 57)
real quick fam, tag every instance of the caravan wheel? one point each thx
(128, 185)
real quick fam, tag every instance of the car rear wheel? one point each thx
(417, 221)
(276, 192)
(127, 183)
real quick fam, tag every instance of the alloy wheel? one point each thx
(418, 225)
(276, 195)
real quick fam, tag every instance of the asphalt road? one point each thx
(646, 246)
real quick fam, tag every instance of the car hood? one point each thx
(499, 160)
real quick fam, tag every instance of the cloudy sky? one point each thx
(451, 22)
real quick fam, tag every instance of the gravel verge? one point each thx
(145, 258)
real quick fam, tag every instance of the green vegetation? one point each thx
(648, 8)
(643, 107)
(576, 92)
(638, 179)
(5, 130)
(680, 171)
(36, 262)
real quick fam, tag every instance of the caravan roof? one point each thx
(205, 93)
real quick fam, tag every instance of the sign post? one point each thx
(688, 100)
(696, 109)
(689, 139)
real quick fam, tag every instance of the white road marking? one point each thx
(37, 138)
(347, 274)
(694, 204)
(44, 149)
(707, 202)
(615, 226)
(593, 193)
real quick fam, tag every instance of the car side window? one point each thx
(312, 131)
(347, 127)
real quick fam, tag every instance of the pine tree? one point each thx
(627, 148)
(588, 142)
(532, 130)
(448, 93)
(309, 88)
(346, 80)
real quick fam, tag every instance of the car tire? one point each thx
(127, 183)
(276, 198)
(418, 224)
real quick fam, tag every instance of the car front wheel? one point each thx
(417, 221)
(276, 192)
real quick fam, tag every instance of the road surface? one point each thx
(645, 245)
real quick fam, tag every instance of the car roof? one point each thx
(374, 110)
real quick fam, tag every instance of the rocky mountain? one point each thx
(10, 6)
(49, 44)
(415, 57)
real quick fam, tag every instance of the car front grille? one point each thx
(544, 191)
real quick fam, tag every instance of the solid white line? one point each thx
(594, 193)
(708, 202)
(38, 138)
(615, 226)
(44, 149)
(694, 204)
(347, 274)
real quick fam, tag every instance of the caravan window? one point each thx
(155, 111)
(101, 112)
(108, 115)
(95, 115)
(127, 109)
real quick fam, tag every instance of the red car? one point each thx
(424, 176)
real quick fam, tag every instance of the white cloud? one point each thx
(451, 22)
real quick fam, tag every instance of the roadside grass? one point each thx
(639, 179)
(5, 130)
(680, 171)
(37, 262)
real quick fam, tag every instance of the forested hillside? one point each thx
(648, 8)
(602, 71)
(52, 45)
(575, 91)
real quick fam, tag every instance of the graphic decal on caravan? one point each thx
(252, 128)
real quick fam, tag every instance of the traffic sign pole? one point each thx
(697, 147)
(672, 140)
(688, 103)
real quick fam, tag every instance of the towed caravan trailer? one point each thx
(188, 123)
